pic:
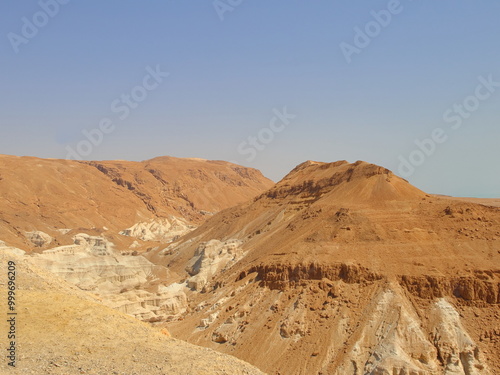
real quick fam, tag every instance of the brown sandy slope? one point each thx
(346, 269)
(95, 197)
(63, 331)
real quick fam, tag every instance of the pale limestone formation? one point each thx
(211, 258)
(91, 263)
(391, 340)
(459, 353)
(127, 283)
(163, 304)
(163, 230)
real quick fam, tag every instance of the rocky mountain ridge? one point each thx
(349, 269)
(55, 197)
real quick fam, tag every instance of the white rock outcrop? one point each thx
(91, 263)
(393, 341)
(126, 283)
(210, 258)
(162, 230)
(459, 353)
(163, 304)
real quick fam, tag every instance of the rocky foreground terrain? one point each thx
(64, 331)
(340, 268)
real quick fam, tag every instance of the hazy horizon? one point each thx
(413, 86)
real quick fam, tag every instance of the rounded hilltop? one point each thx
(358, 182)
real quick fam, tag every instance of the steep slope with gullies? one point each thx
(44, 199)
(345, 268)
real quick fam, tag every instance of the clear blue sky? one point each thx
(228, 76)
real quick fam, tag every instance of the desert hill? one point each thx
(56, 197)
(359, 182)
(88, 222)
(340, 268)
(325, 209)
(345, 268)
(62, 330)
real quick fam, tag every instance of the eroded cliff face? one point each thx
(480, 286)
(343, 319)
(283, 276)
